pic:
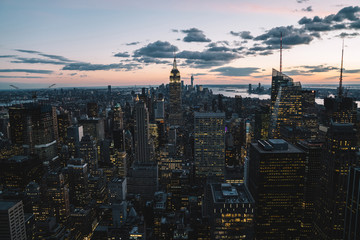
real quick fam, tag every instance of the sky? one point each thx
(125, 43)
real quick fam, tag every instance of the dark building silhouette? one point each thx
(352, 211)
(92, 109)
(339, 155)
(313, 171)
(142, 133)
(276, 181)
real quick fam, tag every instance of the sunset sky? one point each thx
(126, 43)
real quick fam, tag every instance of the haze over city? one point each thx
(126, 43)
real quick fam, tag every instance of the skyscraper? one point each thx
(209, 144)
(12, 222)
(142, 133)
(352, 211)
(175, 113)
(286, 103)
(340, 154)
(276, 181)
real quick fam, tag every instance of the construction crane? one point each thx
(15, 87)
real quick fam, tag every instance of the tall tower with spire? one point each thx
(175, 113)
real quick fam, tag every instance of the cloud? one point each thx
(347, 17)
(97, 67)
(295, 72)
(301, 1)
(174, 30)
(291, 36)
(236, 72)
(308, 9)
(21, 77)
(243, 34)
(148, 60)
(7, 56)
(195, 35)
(348, 35)
(157, 49)
(37, 60)
(319, 68)
(72, 74)
(122, 54)
(26, 51)
(56, 57)
(352, 71)
(27, 71)
(132, 43)
(355, 25)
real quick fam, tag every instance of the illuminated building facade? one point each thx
(262, 123)
(230, 208)
(276, 181)
(340, 154)
(118, 120)
(34, 126)
(78, 182)
(352, 211)
(209, 144)
(88, 152)
(340, 109)
(92, 110)
(93, 127)
(175, 114)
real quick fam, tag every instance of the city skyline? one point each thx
(93, 43)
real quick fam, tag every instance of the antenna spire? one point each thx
(174, 64)
(280, 52)
(341, 71)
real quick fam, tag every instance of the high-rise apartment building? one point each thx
(209, 144)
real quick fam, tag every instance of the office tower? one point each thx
(93, 127)
(117, 189)
(276, 181)
(109, 89)
(314, 153)
(74, 135)
(92, 109)
(57, 194)
(12, 222)
(262, 123)
(340, 109)
(287, 108)
(97, 187)
(142, 133)
(278, 79)
(250, 88)
(88, 152)
(352, 211)
(34, 126)
(340, 154)
(238, 105)
(143, 179)
(230, 208)
(159, 110)
(192, 80)
(118, 120)
(308, 101)
(175, 111)
(77, 171)
(63, 123)
(17, 171)
(209, 144)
